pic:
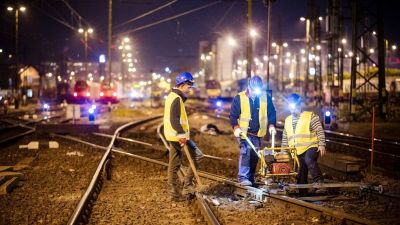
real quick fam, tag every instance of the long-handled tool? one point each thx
(259, 154)
(189, 157)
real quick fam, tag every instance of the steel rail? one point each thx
(81, 212)
(261, 195)
(255, 193)
(361, 148)
(30, 131)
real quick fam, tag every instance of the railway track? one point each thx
(266, 200)
(137, 204)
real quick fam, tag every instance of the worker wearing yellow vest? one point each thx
(252, 114)
(177, 133)
(304, 131)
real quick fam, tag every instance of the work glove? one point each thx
(182, 139)
(321, 150)
(272, 130)
(237, 132)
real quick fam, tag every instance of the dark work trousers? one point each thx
(308, 162)
(175, 162)
(248, 159)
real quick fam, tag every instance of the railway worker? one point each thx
(252, 114)
(304, 131)
(176, 131)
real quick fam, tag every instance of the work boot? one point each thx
(245, 183)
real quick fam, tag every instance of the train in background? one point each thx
(213, 89)
(81, 92)
(108, 93)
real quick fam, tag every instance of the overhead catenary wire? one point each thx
(145, 14)
(168, 19)
(225, 14)
(54, 18)
(76, 13)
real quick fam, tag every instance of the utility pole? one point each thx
(109, 39)
(268, 38)
(249, 41)
(383, 98)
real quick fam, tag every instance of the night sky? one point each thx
(173, 43)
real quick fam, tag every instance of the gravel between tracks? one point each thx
(137, 194)
(53, 185)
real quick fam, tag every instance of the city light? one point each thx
(9, 8)
(102, 58)
(231, 41)
(253, 32)
(302, 19)
(394, 47)
(344, 41)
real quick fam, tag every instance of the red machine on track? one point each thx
(108, 93)
(81, 92)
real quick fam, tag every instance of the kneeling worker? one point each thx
(252, 114)
(303, 130)
(176, 131)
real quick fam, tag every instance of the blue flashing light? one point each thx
(327, 113)
(102, 58)
(219, 103)
(91, 111)
(46, 106)
(93, 107)
(257, 91)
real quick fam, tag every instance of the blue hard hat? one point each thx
(183, 78)
(294, 98)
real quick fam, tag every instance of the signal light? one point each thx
(327, 118)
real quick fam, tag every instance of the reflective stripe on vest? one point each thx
(169, 132)
(302, 139)
(245, 114)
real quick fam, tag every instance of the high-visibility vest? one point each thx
(245, 114)
(302, 139)
(169, 132)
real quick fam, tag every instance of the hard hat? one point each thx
(183, 78)
(255, 82)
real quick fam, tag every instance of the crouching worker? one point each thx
(303, 130)
(176, 131)
(252, 114)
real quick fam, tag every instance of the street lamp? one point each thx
(85, 33)
(17, 10)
